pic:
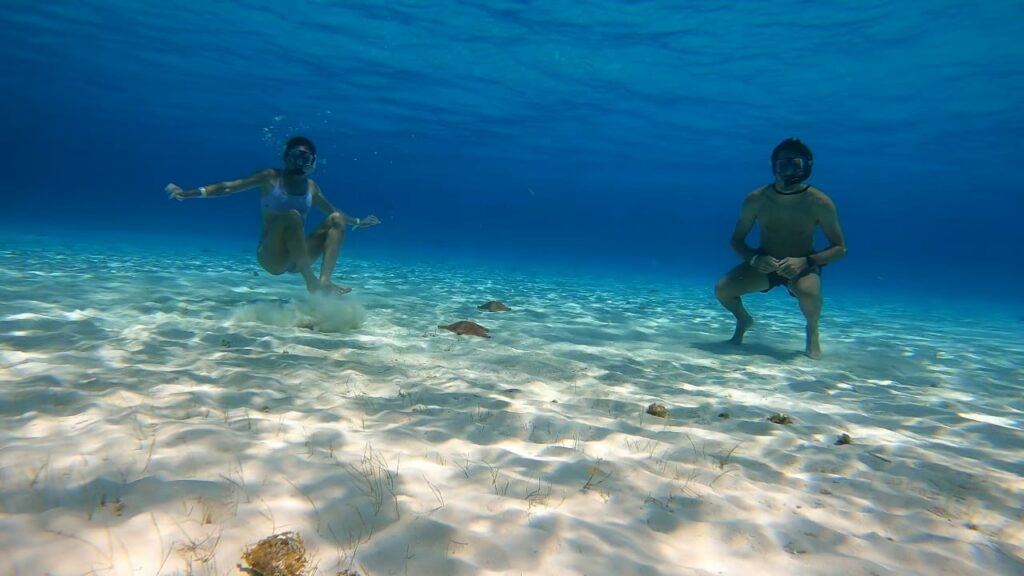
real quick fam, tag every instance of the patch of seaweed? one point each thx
(282, 554)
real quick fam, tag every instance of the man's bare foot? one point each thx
(813, 346)
(743, 324)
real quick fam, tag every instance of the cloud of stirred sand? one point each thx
(315, 312)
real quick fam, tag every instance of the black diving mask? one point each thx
(793, 170)
(302, 159)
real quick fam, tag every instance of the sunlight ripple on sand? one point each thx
(163, 411)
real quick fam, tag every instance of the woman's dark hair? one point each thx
(793, 145)
(296, 141)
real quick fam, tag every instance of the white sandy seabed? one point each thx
(160, 414)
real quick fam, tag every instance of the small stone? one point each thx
(844, 439)
(723, 415)
(780, 418)
(657, 410)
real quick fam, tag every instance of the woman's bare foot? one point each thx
(328, 289)
(333, 289)
(743, 324)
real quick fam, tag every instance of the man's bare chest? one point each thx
(793, 219)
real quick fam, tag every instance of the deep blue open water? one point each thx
(606, 136)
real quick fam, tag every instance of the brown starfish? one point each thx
(467, 328)
(494, 306)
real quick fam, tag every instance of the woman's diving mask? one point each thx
(301, 159)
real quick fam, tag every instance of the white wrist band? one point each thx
(202, 191)
(752, 259)
(356, 225)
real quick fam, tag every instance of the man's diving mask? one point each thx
(793, 170)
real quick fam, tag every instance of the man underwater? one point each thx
(788, 212)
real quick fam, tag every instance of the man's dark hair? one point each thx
(296, 141)
(794, 146)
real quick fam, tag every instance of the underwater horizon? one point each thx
(601, 137)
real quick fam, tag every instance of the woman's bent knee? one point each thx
(336, 220)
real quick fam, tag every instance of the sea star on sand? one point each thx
(467, 328)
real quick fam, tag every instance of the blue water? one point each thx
(584, 161)
(593, 136)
